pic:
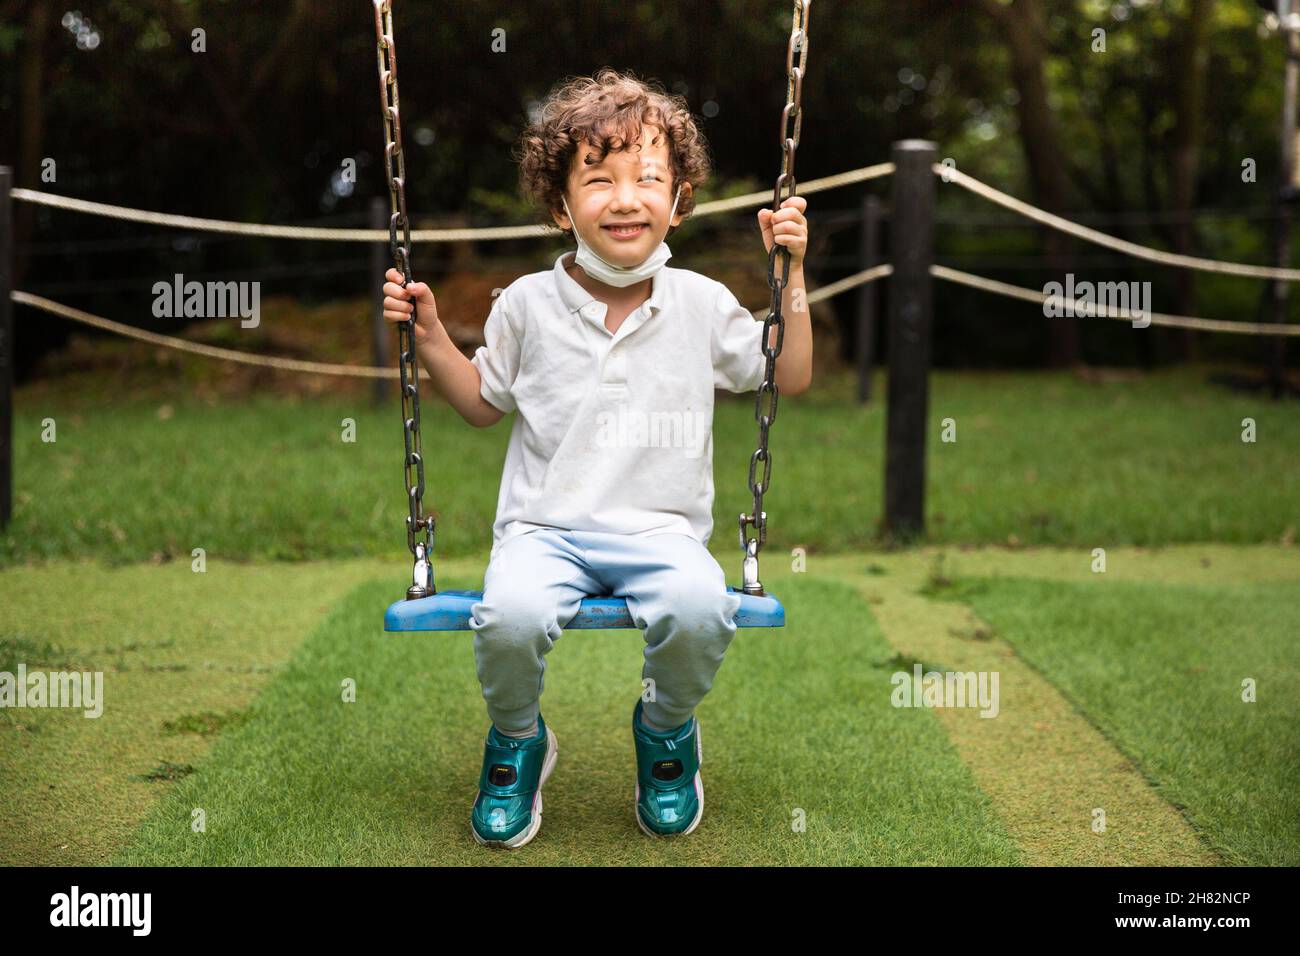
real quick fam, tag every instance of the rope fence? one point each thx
(1087, 309)
(318, 368)
(912, 220)
(339, 234)
(947, 174)
(916, 183)
(951, 174)
(197, 348)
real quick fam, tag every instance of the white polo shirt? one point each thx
(614, 432)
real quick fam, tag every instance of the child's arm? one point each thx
(789, 228)
(454, 377)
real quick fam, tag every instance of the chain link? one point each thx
(768, 393)
(395, 168)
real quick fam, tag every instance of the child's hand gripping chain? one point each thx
(786, 227)
(398, 306)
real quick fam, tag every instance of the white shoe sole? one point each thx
(699, 793)
(525, 835)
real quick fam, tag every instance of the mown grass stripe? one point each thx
(1044, 766)
(1163, 670)
(173, 646)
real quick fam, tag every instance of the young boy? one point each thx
(610, 361)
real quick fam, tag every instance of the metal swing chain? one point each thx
(765, 412)
(395, 167)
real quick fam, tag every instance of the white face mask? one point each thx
(620, 276)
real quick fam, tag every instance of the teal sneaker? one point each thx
(508, 810)
(669, 791)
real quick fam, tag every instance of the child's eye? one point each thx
(644, 179)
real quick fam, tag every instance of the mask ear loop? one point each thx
(573, 223)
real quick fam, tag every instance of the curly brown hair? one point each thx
(606, 111)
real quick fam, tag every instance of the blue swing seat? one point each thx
(450, 611)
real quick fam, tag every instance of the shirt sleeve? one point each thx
(738, 360)
(497, 361)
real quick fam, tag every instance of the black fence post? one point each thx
(379, 264)
(911, 303)
(868, 256)
(7, 244)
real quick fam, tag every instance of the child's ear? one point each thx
(561, 219)
(687, 191)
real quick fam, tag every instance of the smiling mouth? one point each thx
(626, 232)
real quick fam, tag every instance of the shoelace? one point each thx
(668, 742)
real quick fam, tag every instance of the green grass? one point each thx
(1158, 668)
(798, 720)
(182, 656)
(222, 692)
(223, 689)
(1040, 458)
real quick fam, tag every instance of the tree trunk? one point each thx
(1184, 160)
(1023, 24)
(31, 136)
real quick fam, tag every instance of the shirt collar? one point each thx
(575, 296)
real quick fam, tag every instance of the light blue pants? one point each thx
(676, 593)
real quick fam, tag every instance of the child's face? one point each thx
(632, 186)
